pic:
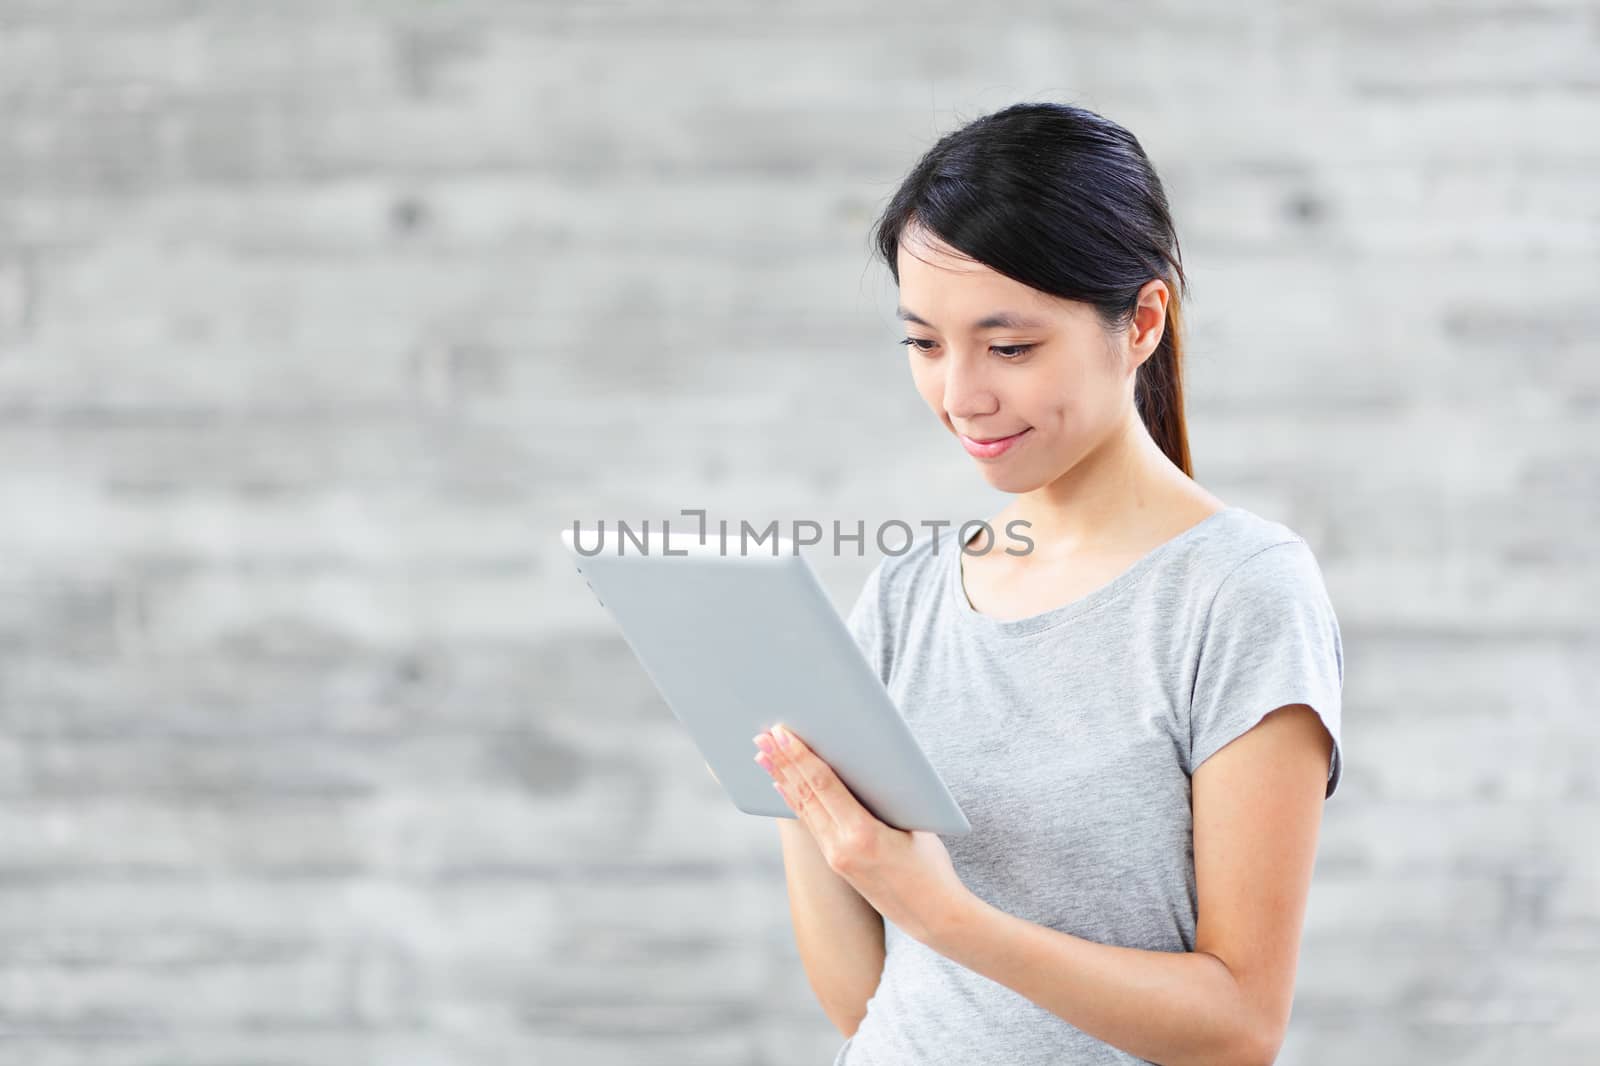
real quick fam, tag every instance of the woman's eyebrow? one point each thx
(998, 320)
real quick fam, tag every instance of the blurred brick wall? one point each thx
(317, 321)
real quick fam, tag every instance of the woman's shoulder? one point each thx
(898, 577)
(1204, 556)
(1245, 548)
(1241, 532)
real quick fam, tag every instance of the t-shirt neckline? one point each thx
(1034, 623)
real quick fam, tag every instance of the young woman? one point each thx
(1139, 716)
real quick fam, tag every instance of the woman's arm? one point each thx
(1257, 813)
(839, 934)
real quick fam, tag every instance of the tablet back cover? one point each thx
(738, 641)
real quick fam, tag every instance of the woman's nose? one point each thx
(967, 396)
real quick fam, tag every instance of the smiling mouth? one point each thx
(991, 440)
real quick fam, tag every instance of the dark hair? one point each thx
(1065, 201)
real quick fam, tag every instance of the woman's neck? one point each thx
(1122, 492)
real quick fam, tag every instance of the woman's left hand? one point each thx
(905, 874)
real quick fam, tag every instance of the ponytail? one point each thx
(1158, 391)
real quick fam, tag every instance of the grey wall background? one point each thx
(318, 319)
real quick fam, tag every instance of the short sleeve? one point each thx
(865, 622)
(1270, 639)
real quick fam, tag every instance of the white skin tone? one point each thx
(1097, 489)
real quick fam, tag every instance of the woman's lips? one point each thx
(991, 449)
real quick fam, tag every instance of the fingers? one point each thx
(813, 789)
(769, 760)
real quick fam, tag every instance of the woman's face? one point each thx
(1054, 379)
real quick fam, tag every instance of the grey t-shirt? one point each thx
(1068, 738)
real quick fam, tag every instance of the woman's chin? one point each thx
(1008, 478)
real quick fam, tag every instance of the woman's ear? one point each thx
(1149, 323)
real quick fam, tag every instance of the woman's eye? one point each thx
(1005, 351)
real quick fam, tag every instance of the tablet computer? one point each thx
(739, 635)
